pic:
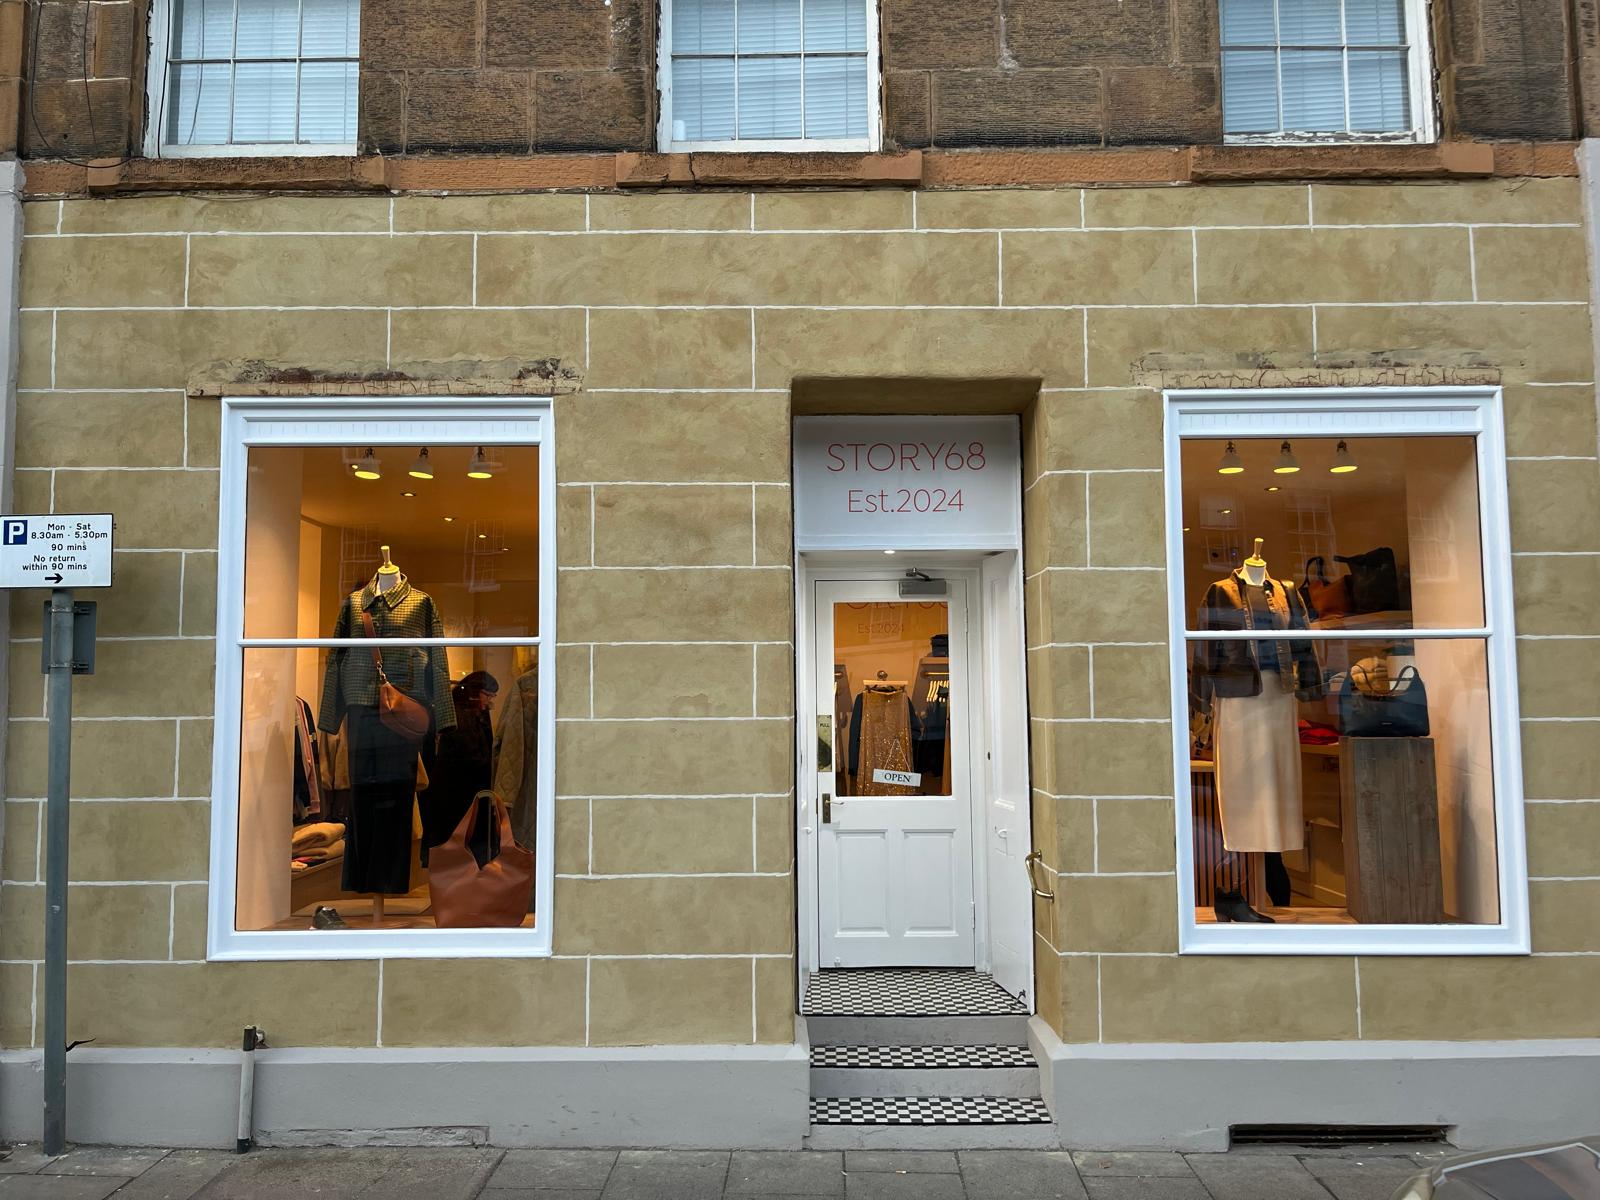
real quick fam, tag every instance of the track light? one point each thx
(1287, 463)
(367, 467)
(1231, 463)
(1343, 461)
(422, 468)
(479, 467)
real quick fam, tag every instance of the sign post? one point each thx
(62, 552)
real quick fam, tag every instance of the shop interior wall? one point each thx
(674, 918)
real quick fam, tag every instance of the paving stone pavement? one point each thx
(474, 1173)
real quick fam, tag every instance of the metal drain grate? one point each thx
(1335, 1135)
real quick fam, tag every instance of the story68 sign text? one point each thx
(902, 459)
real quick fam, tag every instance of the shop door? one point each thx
(894, 781)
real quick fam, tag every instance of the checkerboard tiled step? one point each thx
(928, 1110)
(922, 1058)
(908, 992)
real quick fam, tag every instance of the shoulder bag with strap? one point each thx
(466, 895)
(1324, 597)
(396, 710)
(1380, 707)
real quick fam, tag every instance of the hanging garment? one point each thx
(307, 770)
(885, 739)
(383, 788)
(516, 774)
(463, 766)
(421, 672)
(1257, 751)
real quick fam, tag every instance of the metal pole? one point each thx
(55, 880)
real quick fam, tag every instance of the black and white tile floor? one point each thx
(908, 992)
(928, 1110)
(922, 1058)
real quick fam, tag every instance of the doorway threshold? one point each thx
(907, 992)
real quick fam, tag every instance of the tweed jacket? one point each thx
(421, 672)
(1233, 668)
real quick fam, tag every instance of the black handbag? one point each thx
(1367, 708)
(1374, 580)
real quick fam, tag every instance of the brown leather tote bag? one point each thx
(397, 710)
(467, 896)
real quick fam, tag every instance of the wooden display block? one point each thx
(1389, 803)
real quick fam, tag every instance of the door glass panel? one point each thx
(893, 719)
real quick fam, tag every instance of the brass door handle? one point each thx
(827, 808)
(1036, 858)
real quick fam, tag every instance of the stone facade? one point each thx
(697, 313)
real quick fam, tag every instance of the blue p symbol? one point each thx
(16, 532)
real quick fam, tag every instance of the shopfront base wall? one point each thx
(694, 1097)
(1186, 1096)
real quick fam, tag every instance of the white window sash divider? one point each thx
(1358, 412)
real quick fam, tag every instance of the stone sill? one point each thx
(1071, 167)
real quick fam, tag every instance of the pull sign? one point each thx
(897, 778)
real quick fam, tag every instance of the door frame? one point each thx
(809, 569)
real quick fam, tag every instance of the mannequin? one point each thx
(881, 725)
(383, 763)
(1253, 687)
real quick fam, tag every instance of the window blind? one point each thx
(262, 72)
(769, 69)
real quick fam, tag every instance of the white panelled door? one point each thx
(895, 884)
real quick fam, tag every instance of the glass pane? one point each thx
(328, 102)
(264, 97)
(836, 97)
(1249, 91)
(702, 100)
(1342, 782)
(769, 98)
(1379, 97)
(463, 553)
(1374, 22)
(1309, 23)
(836, 25)
(892, 702)
(199, 104)
(1313, 90)
(342, 812)
(702, 26)
(1392, 543)
(268, 29)
(1248, 23)
(331, 28)
(202, 29)
(769, 26)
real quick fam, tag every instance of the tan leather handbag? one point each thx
(397, 710)
(467, 896)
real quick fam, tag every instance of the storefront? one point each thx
(1164, 608)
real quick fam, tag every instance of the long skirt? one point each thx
(1258, 770)
(383, 789)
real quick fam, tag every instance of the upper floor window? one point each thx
(1324, 70)
(769, 74)
(262, 76)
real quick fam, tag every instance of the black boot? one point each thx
(1278, 887)
(1231, 906)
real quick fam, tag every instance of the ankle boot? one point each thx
(1231, 906)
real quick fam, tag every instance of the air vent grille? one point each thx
(1335, 1135)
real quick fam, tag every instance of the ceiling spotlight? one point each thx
(482, 536)
(1287, 463)
(422, 468)
(447, 520)
(409, 495)
(1227, 512)
(1272, 487)
(479, 467)
(1343, 461)
(1231, 463)
(367, 466)
(1186, 529)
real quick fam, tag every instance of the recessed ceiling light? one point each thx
(1272, 487)
(482, 536)
(409, 495)
(1227, 512)
(888, 551)
(447, 520)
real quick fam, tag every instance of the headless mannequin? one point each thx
(388, 576)
(1254, 569)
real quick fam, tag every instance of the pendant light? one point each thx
(1343, 461)
(422, 468)
(367, 466)
(1231, 463)
(479, 467)
(1287, 463)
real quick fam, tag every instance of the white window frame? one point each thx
(1364, 412)
(155, 146)
(1419, 84)
(862, 145)
(434, 421)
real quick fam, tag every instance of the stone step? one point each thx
(917, 1031)
(930, 1122)
(843, 1082)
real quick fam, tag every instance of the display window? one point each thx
(384, 709)
(1340, 595)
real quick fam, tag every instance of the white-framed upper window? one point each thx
(1346, 737)
(1325, 71)
(769, 75)
(432, 520)
(231, 77)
